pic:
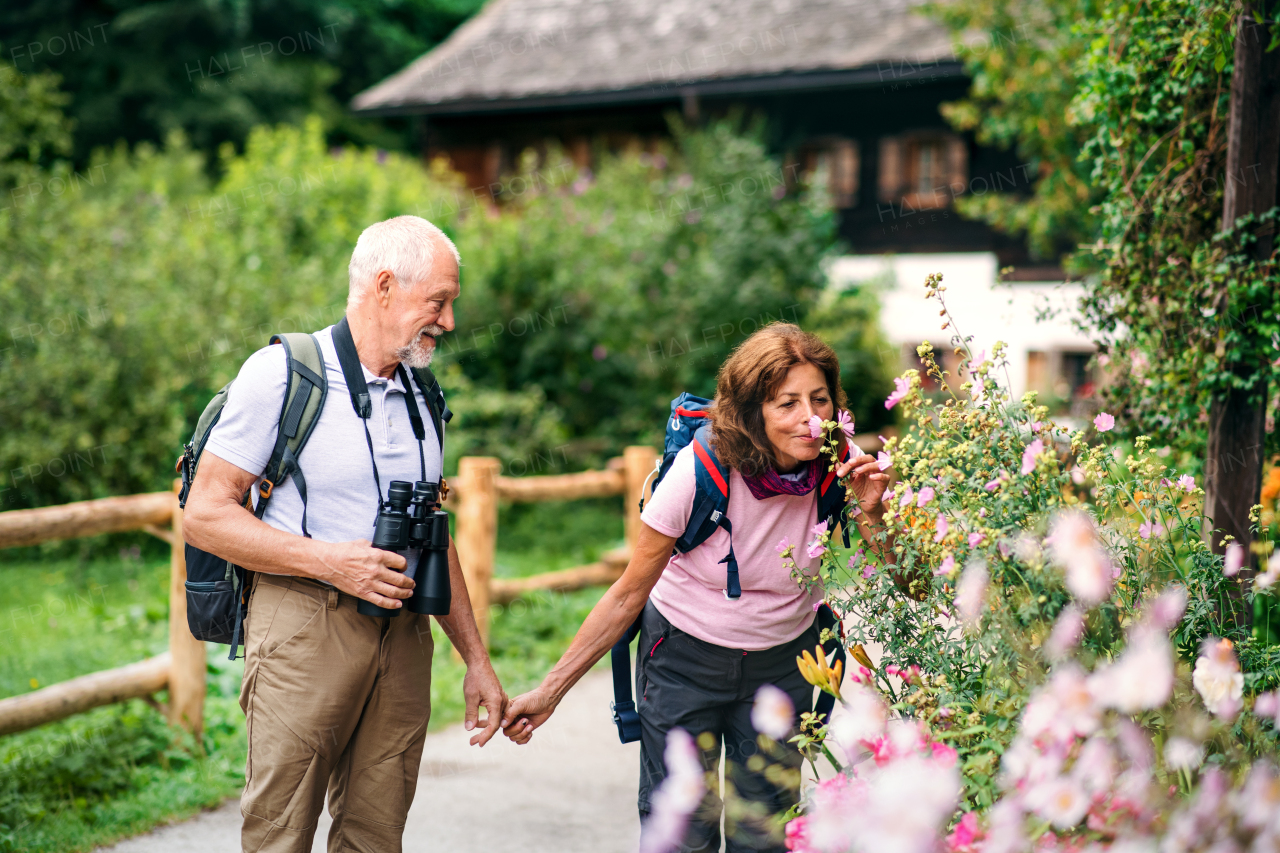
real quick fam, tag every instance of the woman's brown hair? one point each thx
(750, 378)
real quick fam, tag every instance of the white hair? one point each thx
(405, 245)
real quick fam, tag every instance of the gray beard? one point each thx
(416, 354)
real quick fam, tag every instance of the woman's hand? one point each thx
(527, 712)
(868, 484)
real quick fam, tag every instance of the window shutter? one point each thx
(957, 165)
(891, 176)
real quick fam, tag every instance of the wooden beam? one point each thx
(187, 675)
(59, 701)
(561, 487)
(603, 573)
(476, 531)
(84, 518)
(637, 466)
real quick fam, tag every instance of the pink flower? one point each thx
(883, 461)
(1148, 527)
(901, 388)
(815, 427)
(868, 569)
(946, 567)
(816, 549)
(845, 422)
(944, 755)
(1187, 483)
(1029, 455)
(1234, 561)
(971, 592)
(783, 544)
(993, 485)
(1066, 633)
(855, 559)
(965, 833)
(1267, 705)
(1104, 422)
(942, 528)
(975, 539)
(907, 496)
(924, 496)
(819, 528)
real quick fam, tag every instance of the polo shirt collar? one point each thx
(393, 384)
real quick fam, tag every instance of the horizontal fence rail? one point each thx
(474, 497)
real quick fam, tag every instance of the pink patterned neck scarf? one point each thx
(772, 483)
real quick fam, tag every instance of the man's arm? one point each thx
(480, 686)
(217, 522)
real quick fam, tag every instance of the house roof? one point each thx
(533, 53)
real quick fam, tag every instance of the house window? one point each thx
(1077, 382)
(922, 170)
(838, 158)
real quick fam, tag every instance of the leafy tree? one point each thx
(137, 71)
(1022, 58)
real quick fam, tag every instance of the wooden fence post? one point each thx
(187, 675)
(477, 531)
(639, 462)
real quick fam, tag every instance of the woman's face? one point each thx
(802, 395)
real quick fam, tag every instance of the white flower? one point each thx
(1061, 801)
(1142, 677)
(1183, 754)
(677, 796)
(1063, 708)
(1218, 680)
(860, 716)
(1271, 575)
(1077, 550)
(908, 803)
(773, 714)
(1095, 768)
(971, 592)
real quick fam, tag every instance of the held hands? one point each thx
(868, 483)
(359, 569)
(526, 713)
(480, 686)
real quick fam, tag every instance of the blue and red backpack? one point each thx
(689, 424)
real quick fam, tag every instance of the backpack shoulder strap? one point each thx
(441, 414)
(304, 398)
(710, 505)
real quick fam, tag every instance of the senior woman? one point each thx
(703, 656)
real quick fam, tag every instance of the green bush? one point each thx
(136, 289)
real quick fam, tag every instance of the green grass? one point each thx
(120, 770)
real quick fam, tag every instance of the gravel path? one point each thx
(572, 789)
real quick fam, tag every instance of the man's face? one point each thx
(424, 312)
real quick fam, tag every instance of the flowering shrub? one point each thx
(1051, 629)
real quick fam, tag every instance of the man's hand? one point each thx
(359, 569)
(481, 687)
(526, 713)
(868, 483)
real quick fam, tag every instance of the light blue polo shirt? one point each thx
(342, 501)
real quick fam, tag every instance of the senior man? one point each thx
(333, 698)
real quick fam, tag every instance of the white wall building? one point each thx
(1049, 355)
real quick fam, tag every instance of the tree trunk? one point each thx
(1233, 467)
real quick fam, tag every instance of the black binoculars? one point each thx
(411, 519)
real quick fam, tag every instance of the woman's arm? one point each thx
(867, 490)
(603, 627)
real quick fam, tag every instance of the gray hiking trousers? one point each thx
(708, 691)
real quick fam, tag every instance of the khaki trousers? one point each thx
(332, 699)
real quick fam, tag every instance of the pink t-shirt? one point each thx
(690, 593)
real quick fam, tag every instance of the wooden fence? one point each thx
(473, 498)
